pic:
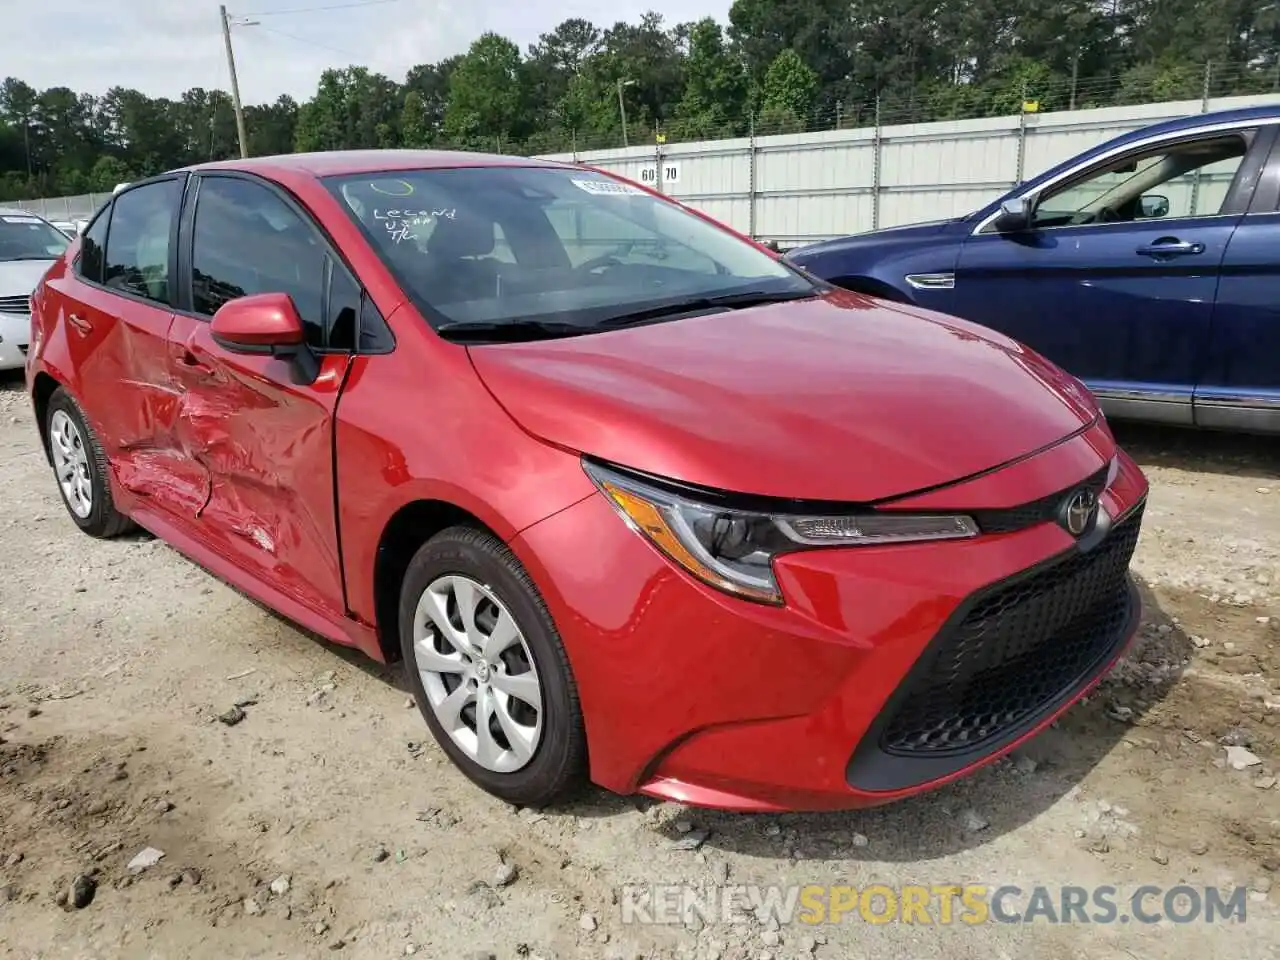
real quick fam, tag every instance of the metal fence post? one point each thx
(875, 171)
(1022, 134)
(751, 178)
(657, 159)
(1204, 108)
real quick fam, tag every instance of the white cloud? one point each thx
(163, 47)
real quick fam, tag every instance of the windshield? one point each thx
(24, 237)
(509, 245)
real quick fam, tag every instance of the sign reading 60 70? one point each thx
(670, 174)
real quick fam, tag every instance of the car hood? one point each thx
(871, 237)
(19, 277)
(837, 398)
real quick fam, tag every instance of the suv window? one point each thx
(1189, 179)
(137, 257)
(91, 249)
(247, 240)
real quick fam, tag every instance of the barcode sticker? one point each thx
(608, 188)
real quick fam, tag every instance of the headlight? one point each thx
(733, 550)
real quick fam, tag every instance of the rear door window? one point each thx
(138, 242)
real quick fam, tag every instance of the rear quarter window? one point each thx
(91, 263)
(137, 256)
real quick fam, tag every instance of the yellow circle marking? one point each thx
(406, 186)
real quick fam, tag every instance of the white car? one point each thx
(28, 246)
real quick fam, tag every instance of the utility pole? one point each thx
(622, 109)
(235, 85)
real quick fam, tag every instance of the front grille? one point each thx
(1020, 647)
(20, 305)
(1043, 510)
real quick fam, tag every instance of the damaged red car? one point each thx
(632, 499)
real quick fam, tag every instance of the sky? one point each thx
(163, 47)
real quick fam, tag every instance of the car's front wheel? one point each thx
(488, 670)
(80, 465)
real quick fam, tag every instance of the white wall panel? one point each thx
(811, 186)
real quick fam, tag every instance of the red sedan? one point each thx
(630, 497)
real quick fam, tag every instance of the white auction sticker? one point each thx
(21, 219)
(608, 188)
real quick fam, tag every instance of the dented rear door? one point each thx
(118, 309)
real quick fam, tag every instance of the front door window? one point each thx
(1190, 179)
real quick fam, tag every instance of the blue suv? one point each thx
(1149, 267)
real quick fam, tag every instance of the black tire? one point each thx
(104, 520)
(558, 764)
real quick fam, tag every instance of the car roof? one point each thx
(19, 212)
(1194, 121)
(340, 162)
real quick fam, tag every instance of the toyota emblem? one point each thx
(1079, 511)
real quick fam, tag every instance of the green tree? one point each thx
(715, 91)
(553, 64)
(484, 93)
(413, 121)
(352, 109)
(815, 30)
(271, 127)
(107, 172)
(789, 86)
(431, 82)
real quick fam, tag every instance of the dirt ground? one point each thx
(327, 823)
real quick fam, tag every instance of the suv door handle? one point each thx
(1171, 247)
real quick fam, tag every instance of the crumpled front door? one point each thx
(266, 445)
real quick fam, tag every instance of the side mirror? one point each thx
(1015, 214)
(266, 324)
(1152, 206)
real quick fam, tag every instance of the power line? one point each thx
(334, 6)
(354, 58)
(313, 43)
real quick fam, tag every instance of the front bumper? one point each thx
(15, 331)
(890, 670)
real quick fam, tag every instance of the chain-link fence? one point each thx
(800, 188)
(68, 209)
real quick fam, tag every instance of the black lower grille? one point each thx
(1019, 647)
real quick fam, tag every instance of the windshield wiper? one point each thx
(27, 256)
(735, 301)
(508, 331)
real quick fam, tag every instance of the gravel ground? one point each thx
(326, 821)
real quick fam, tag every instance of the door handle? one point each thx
(1171, 247)
(192, 362)
(81, 325)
